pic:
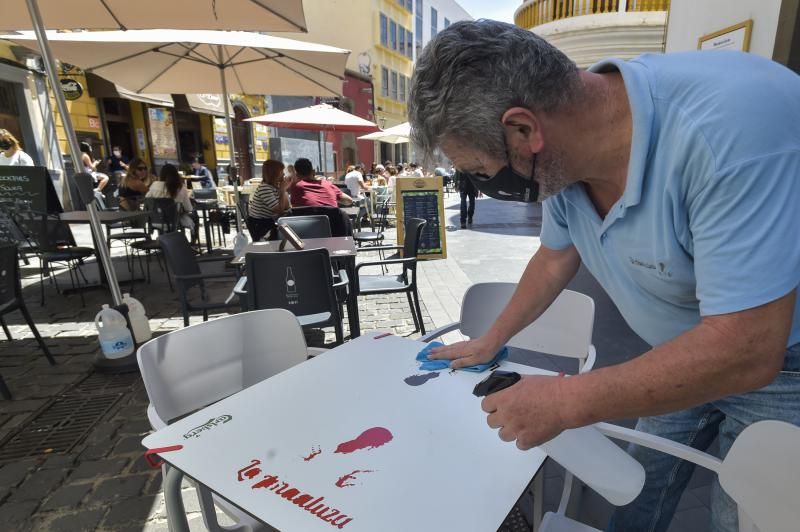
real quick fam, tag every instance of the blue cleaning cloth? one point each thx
(434, 365)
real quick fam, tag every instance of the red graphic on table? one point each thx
(314, 452)
(369, 439)
(342, 482)
(250, 471)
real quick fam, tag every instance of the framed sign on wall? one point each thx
(736, 37)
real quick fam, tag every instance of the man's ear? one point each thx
(523, 129)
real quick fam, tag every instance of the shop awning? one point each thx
(102, 88)
(211, 104)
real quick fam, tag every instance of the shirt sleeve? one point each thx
(746, 243)
(555, 232)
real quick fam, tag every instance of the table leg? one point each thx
(176, 513)
(352, 299)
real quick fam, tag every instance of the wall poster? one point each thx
(162, 133)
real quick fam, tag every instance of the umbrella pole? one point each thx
(229, 122)
(319, 146)
(72, 140)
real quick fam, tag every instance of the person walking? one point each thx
(676, 184)
(11, 153)
(467, 191)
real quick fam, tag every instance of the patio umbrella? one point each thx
(186, 61)
(398, 134)
(258, 15)
(322, 117)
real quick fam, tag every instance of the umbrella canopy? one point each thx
(322, 117)
(188, 62)
(252, 15)
(398, 134)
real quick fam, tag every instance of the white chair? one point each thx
(564, 329)
(761, 473)
(190, 368)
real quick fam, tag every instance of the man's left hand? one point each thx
(530, 412)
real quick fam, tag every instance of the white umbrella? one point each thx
(398, 134)
(185, 61)
(322, 117)
(259, 15)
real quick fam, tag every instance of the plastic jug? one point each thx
(138, 318)
(116, 340)
(240, 242)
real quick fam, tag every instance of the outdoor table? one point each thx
(205, 205)
(361, 430)
(339, 248)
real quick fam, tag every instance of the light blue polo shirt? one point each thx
(709, 222)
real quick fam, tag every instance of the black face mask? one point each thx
(5, 145)
(508, 185)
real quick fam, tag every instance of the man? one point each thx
(468, 192)
(677, 184)
(200, 170)
(116, 161)
(354, 180)
(415, 171)
(311, 190)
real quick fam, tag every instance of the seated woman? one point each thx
(269, 202)
(90, 166)
(134, 185)
(170, 185)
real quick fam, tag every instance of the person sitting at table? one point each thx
(310, 190)
(90, 167)
(170, 185)
(134, 185)
(270, 200)
(354, 180)
(291, 175)
(117, 162)
(380, 176)
(200, 170)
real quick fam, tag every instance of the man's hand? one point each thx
(528, 412)
(469, 353)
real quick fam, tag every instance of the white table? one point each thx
(443, 469)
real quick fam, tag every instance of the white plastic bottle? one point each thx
(115, 338)
(138, 318)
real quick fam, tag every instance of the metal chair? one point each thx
(188, 369)
(308, 226)
(185, 270)
(338, 218)
(299, 281)
(406, 281)
(11, 299)
(162, 217)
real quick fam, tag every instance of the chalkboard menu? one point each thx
(24, 190)
(422, 198)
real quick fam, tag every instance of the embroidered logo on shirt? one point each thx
(660, 269)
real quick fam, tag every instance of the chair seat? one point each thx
(128, 235)
(146, 244)
(381, 283)
(76, 252)
(552, 522)
(367, 236)
(314, 319)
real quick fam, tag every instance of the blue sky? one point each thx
(494, 9)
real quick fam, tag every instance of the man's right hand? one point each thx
(468, 353)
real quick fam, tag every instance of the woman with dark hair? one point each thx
(90, 166)
(270, 200)
(170, 185)
(134, 185)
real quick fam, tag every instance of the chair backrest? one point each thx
(339, 220)
(179, 254)
(565, 328)
(413, 233)
(190, 368)
(162, 214)
(10, 287)
(298, 281)
(316, 226)
(204, 193)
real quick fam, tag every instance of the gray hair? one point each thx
(474, 71)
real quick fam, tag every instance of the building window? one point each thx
(410, 6)
(384, 82)
(434, 22)
(446, 22)
(409, 45)
(418, 29)
(393, 34)
(394, 85)
(384, 34)
(402, 32)
(402, 88)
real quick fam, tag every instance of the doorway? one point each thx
(188, 136)
(243, 143)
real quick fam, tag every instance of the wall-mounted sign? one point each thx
(736, 37)
(162, 133)
(94, 122)
(72, 89)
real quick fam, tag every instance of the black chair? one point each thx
(11, 299)
(374, 238)
(162, 217)
(340, 222)
(185, 270)
(393, 283)
(308, 226)
(301, 282)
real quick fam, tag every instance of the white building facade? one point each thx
(431, 17)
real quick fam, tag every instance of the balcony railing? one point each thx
(538, 12)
